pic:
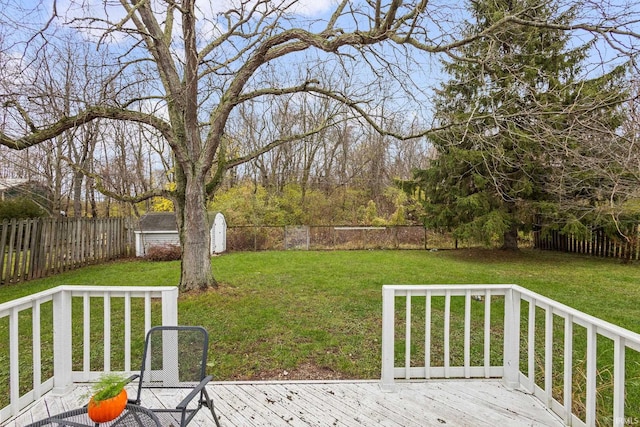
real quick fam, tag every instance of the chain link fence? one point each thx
(321, 237)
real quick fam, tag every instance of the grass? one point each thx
(277, 310)
(296, 314)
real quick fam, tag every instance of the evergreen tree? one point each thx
(512, 100)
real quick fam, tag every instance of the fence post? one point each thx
(4, 228)
(426, 246)
(388, 339)
(511, 358)
(62, 354)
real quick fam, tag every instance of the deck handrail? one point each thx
(516, 370)
(26, 312)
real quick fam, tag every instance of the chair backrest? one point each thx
(174, 357)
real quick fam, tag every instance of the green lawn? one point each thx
(318, 313)
(297, 315)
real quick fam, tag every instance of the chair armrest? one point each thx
(197, 389)
(132, 377)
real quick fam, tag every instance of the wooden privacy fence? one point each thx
(597, 243)
(34, 248)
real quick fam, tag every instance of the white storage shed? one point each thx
(160, 228)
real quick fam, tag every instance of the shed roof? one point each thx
(158, 221)
(165, 221)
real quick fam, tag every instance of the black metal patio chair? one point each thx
(175, 357)
(132, 416)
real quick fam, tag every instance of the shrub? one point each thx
(20, 208)
(164, 253)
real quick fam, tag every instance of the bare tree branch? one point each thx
(42, 134)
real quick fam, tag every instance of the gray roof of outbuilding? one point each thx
(165, 221)
(158, 221)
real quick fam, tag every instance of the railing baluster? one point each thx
(467, 334)
(447, 329)
(531, 346)
(548, 356)
(427, 336)
(127, 332)
(567, 400)
(14, 359)
(618, 381)
(37, 348)
(86, 333)
(592, 355)
(147, 313)
(407, 341)
(147, 323)
(107, 331)
(487, 333)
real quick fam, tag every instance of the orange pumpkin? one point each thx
(108, 409)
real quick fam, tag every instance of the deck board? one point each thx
(439, 403)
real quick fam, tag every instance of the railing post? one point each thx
(170, 338)
(388, 339)
(170, 307)
(511, 358)
(62, 355)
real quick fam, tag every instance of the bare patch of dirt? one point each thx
(219, 289)
(306, 371)
(486, 255)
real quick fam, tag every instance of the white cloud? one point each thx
(302, 7)
(78, 14)
(313, 7)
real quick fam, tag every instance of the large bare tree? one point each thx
(192, 64)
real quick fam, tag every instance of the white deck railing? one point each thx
(488, 311)
(49, 318)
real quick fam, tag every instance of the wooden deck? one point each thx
(342, 403)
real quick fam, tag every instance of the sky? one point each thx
(310, 12)
(442, 11)
(427, 75)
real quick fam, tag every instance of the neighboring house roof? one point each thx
(37, 192)
(9, 183)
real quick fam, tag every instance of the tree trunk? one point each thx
(78, 178)
(510, 242)
(191, 215)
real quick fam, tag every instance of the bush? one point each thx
(164, 253)
(20, 208)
